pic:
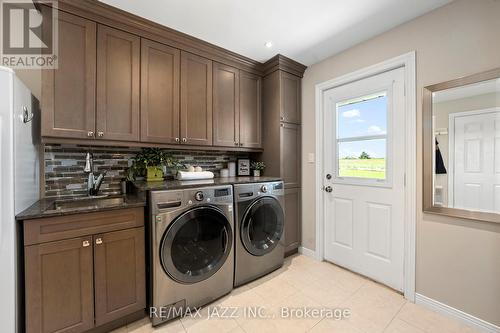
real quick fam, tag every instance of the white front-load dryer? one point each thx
(191, 257)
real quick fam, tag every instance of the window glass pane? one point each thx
(362, 116)
(363, 159)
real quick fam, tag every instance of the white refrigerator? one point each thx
(19, 182)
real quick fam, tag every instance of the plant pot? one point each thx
(154, 174)
(256, 173)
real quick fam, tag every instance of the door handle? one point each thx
(328, 189)
(98, 241)
(85, 243)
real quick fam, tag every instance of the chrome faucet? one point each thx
(93, 183)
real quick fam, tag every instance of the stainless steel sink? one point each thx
(86, 203)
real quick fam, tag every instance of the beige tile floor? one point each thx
(306, 283)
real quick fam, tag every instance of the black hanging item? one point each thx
(440, 168)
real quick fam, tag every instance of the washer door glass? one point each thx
(196, 245)
(262, 226)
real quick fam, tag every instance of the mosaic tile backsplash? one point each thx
(64, 175)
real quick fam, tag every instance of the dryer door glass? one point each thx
(196, 245)
(262, 226)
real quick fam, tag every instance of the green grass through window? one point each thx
(373, 168)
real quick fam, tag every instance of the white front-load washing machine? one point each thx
(259, 235)
(191, 257)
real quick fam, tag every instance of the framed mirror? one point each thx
(461, 133)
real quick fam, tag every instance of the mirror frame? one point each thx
(427, 158)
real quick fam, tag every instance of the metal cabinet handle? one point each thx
(241, 144)
(100, 134)
(27, 116)
(282, 118)
(177, 140)
(85, 243)
(90, 133)
(184, 140)
(98, 241)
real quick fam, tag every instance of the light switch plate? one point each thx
(310, 158)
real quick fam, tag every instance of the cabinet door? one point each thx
(292, 219)
(290, 154)
(196, 100)
(226, 124)
(59, 291)
(290, 98)
(68, 92)
(119, 267)
(118, 69)
(160, 82)
(250, 110)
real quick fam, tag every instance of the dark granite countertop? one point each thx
(180, 184)
(44, 207)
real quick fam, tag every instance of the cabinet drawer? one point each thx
(63, 227)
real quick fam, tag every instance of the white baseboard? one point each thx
(308, 253)
(449, 311)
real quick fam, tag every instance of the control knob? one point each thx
(264, 188)
(199, 196)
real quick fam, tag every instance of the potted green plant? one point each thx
(149, 162)
(258, 167)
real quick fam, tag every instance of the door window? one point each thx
(196, 245)
(362, 138)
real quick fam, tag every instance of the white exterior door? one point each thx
(475, 160)
(364, 140)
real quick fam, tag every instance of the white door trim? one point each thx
(407, 61)
(451, 146)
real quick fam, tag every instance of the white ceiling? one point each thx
(305, 30)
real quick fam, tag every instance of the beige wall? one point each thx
(458, 261)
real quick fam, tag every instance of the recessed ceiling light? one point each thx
(269, 44)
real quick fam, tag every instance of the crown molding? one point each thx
(280, 62)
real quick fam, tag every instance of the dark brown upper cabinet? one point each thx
(160, 89)
(119, 268)
(118, 67)
(59, 286)
(196, 100)
(250, 110)
(226, 122)
(290, 98)
(68, 92)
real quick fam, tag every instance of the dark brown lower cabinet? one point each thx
(292, 219)
(59, 286)
(119, 274)
(74, 284)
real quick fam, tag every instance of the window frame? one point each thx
(359, 181)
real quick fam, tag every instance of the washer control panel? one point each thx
(170, 200)
(222, 194)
